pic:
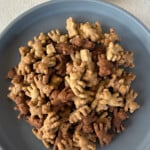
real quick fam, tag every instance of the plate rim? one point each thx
(15, 21)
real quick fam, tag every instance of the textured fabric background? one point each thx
(10, 9)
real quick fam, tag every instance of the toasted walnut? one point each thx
(92, 32)
(71, 27)
(83, 142)
(47, 132)
(118, 117)
(130, 103)
(78, 114)
(56, 36)
(105, 67)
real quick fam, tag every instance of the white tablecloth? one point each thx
(10, 9)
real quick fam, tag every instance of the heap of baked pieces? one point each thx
(73, 88)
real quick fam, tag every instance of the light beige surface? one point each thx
(10, 9)
(139, 8)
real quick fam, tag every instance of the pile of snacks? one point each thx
(73, 88)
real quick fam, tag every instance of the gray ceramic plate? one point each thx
(16, 135)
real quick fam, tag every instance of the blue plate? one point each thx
(17, 135)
